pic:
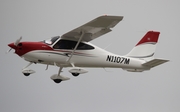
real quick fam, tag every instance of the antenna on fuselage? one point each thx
(107, 46)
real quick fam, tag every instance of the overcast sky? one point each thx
(113, 90)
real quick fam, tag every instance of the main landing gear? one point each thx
(75, 71)
(57, 78)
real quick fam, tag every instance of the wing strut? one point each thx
(82, 34)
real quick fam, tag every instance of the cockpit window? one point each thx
(51, 40)
(69, 44)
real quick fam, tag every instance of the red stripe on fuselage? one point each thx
(25, 47)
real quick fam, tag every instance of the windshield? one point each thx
(51, 40)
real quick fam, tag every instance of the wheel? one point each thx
(57, 80)
(26, 74)
(75, 74)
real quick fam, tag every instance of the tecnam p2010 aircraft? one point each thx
(74, 50)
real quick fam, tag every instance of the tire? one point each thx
(75, 74)
(57, 80)
(26, 74)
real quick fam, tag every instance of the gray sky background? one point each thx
(156, 90)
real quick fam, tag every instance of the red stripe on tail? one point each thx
(150, 36)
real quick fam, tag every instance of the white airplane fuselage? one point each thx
(96, 57)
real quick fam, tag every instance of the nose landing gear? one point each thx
(27, 71)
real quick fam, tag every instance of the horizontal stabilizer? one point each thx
(155, 62)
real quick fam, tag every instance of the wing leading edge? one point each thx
(93, 29)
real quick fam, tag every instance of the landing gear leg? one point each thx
(28, 65)
(58, 80)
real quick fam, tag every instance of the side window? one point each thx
(83, 46)
(68, 44)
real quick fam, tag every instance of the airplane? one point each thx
(74, 50)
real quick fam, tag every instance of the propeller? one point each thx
(8, 50)
(15, 43)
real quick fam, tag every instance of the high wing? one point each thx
(93, 29)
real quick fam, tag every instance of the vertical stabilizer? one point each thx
(145, 48)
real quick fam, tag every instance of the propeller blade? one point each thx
(17, 41)
(9, 50)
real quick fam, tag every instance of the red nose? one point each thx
(12, 45)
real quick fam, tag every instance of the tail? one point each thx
(145, 49)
